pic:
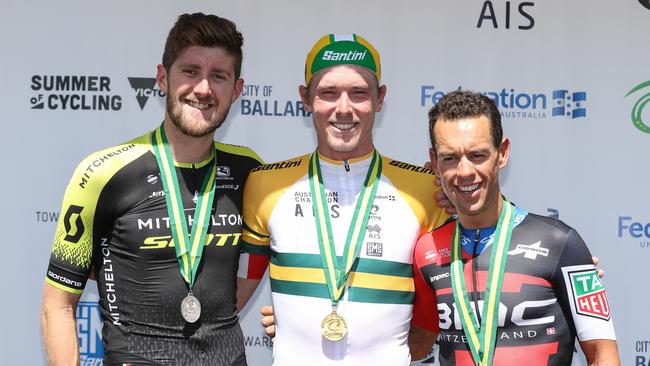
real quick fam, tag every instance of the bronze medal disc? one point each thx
(334, 327)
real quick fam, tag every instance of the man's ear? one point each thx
(239, 86)
(161, 78)
(304, 96)
(381, 93)
(434, 161)
(504, 152)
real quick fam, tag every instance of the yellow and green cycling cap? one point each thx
(342, 49)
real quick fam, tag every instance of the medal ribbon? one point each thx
(189, 249)
(483, 340)
(337, 270)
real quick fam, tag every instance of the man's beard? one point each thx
(186, 125)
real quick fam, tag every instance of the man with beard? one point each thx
(156, 221)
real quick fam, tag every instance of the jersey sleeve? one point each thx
(425, 307)
(72, 252)
(71, 255)
(580, 291)
(255, 249)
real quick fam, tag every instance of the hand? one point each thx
(442, 201)
(601, 273)
(268, 321)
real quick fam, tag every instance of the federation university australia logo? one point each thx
(637, 109)
(89, 327)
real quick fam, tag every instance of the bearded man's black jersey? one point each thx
(551, 292)
(114, 220)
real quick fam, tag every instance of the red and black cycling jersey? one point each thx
(551, 293)
(115, 220)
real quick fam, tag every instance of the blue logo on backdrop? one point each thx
(631, 228)
(570, 105)
(89, 326)
(524, 105)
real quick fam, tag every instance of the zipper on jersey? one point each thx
(195, 197)
(475, 293)
(346, 165)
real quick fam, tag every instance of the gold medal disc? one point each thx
(334, 327)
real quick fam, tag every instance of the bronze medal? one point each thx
(333, 327)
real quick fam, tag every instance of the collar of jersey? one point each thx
(200, 164)
(486, 235)
(364, 158)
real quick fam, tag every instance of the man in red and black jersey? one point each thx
(498, 285)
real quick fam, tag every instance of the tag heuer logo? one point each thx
(530, 251)
(589, 294)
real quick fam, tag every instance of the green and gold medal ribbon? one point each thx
(483, 340)
(337, 270)
(189, 249)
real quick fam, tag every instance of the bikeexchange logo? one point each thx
(145, 88)
(89, 326)
(637, 110)
(516, 104)
(74, 92)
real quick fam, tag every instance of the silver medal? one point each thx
(191, 308)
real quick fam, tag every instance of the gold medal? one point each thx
(333, 327)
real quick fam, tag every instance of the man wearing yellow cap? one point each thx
(339, 223)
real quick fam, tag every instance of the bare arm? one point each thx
(601, 352)
(245, 289)
(59, 326)
(420, 342)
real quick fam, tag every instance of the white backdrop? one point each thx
(589, 167)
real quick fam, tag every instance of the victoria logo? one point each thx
(145, 88)
(637, 109)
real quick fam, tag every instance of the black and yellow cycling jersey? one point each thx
(114, 220)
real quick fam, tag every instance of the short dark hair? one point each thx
(199, 29)
(463, 104)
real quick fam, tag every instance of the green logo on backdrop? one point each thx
(637, 110)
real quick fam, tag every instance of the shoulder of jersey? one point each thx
(548, 225)
(435, 246)
(238, 150)
(289, 166)
(409, 169)
(119, 155)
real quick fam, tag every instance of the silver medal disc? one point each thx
(191, 309)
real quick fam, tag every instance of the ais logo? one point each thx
(144, 89)
(89, 326)
(637, 109)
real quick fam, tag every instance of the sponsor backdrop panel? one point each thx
(570, 78)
